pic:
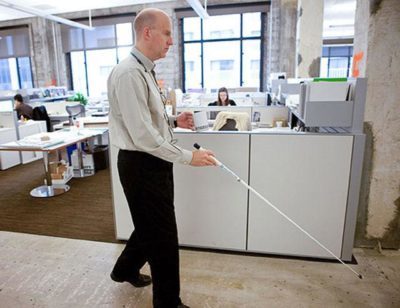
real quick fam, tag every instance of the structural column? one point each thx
(309, 38)
(377, 57)
(48, 59)
(282, 37)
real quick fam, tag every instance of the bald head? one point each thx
(148, 18)
(153, 33)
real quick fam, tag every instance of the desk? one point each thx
(58, 140)
(88, 122)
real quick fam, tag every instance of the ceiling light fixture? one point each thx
(199, 9)
(39, 13)
(341, 26)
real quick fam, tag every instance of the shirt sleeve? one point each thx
(132, 93)
(172, 121)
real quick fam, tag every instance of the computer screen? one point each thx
(6, 105)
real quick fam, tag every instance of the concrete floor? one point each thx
(40, 271)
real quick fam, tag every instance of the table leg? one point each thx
(48, 190)
(80, 173)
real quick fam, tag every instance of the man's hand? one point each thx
(203, 158)
(185, 120)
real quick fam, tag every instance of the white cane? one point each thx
(223, 167)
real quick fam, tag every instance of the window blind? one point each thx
(103, 36)
(14, 42)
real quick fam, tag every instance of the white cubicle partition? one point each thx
(210, 208)
(210, 205)
(27, 129)
(8, 133)
(306, 177)
(8, 159)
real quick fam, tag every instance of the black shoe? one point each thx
(138, 282)
(183, 306)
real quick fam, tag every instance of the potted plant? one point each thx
(78, 97)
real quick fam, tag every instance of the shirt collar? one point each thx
(146, 62)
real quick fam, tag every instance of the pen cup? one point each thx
(200, 120)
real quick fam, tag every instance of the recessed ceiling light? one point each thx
(44, 7)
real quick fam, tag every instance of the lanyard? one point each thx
(163, 98)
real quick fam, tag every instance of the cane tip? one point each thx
(360, 276)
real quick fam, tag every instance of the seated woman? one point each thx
(223, 98)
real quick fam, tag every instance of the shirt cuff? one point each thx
(187, 157)
(172, 121)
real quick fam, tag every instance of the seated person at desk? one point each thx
(223, 100)
(23, 110)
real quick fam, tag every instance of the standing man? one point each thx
(142, 131)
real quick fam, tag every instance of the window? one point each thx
(25, 72)
(224, 50)
(15, 63)
(336, 61)
(8, 74)
(189, 66)
(222, 65)
(221, 69)
(78, 71)
(192, 55)
(99, 64)
(254, 64)
(93, 54)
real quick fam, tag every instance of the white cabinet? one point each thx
(210, 205)
(8, 159)
(306, 177)
(27, 129)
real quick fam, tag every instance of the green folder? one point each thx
(340, 79)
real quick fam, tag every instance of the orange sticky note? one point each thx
(356, 61)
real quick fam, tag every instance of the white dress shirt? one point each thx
(137, 119)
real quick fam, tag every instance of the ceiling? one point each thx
(59, 7)
(338, 14)
(339, 18)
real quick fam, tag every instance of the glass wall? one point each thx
(224, 50)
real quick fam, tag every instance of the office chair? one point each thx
(74, 111)
(39, 113)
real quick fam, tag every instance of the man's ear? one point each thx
(146, 32)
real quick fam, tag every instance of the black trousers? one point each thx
(149, 189)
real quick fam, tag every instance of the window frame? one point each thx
(18, 53)
(349, 56)
(262, 8)
(113, 20)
